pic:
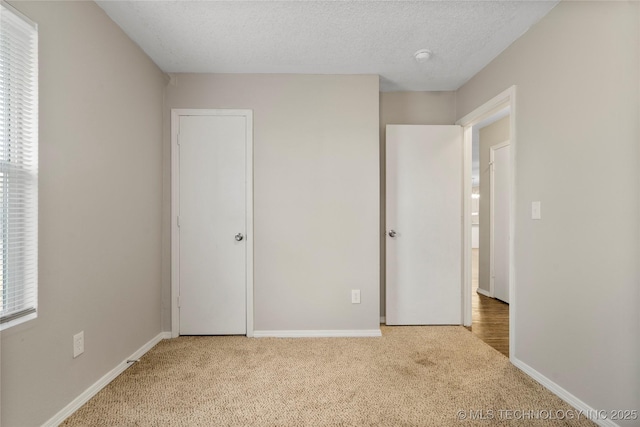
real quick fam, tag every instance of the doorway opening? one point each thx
(488, 285)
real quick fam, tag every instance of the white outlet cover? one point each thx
(78, 344)
(355, 296)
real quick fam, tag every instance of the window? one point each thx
(18, 167)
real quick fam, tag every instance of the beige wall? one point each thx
(105, 178)
(577, 151)
(407, 108)
(316, 196)
(100, 204)
(493, 134)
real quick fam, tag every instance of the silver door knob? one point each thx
(392, 233)
(239, 237)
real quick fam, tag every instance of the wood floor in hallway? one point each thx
(490, 316)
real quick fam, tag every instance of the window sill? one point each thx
(18, 321)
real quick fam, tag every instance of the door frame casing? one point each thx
(507, 98)
(492, 226)
(176, 113)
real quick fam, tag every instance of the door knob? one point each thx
(392, 233)
(239, 237)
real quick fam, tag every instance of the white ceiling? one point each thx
(328, 37)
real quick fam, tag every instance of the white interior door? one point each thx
(500, 202)
(424, 225)
(212, 224)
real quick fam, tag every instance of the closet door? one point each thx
(212, 225)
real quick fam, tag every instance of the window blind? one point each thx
(18, 167)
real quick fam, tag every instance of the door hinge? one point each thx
(178, 138)
(178, 302)
(178, 221)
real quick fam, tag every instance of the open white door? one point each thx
(424, 225)
(499, 223)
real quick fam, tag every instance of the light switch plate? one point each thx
(536, 212)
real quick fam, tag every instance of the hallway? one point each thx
(490, 316)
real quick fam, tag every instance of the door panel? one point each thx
(212, 211)
(500, 204)
(424, 208)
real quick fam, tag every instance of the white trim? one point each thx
(319, 333)
(492, 226)
(84, 397)
(383, 319)
(489, 108)
(563, 394)
(19, 320)
(19, 14)
(175, 235)
(175, 209)
(485, 293)
(249, 220)
(493, 106)
(467, 159)
(512, 222)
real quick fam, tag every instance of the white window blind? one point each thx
(18, 167)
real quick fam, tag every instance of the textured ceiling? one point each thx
(329, 37)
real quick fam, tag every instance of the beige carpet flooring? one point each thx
(411, 376)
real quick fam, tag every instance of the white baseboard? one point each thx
(562, 393)
(485, 293)
(84, 397)
(319, 334)
(383, 319)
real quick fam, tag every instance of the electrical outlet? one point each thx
(355, 296)
(78, 344)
